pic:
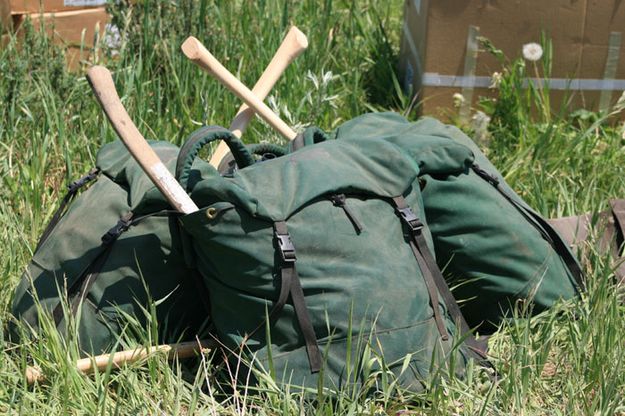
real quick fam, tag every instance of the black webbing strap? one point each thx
(431, 271)
(340, 200)
(415, 227)
(72, 190)
(541, 225)
(81, 286)
(290, 284)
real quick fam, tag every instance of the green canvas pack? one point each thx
(321, 258)
(111, 250)
(495, 250)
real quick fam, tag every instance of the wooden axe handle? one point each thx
(117, 359)
(195, 51)
(294, 43)
(102, 84)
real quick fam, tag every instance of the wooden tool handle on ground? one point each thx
(294, 43)
(102, 84)
(195, 51)
(101, 362)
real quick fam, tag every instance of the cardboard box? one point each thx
(66, 28)
(38, 6)
(73, 30)
(439, 53)
(9, 8)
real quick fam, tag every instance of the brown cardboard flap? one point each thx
(66, 28)
(38, 6)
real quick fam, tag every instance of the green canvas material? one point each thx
(145, 259)
(363, 290)
(493, 253)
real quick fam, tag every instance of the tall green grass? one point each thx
(565, 361)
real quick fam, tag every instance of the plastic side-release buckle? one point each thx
(79, 183)
(411, 220)
(287, 249)
(122, 225)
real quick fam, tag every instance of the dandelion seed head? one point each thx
(532, 51)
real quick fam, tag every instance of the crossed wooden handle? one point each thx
(103, 86)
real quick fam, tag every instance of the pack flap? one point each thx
(118, 164)
(426, 141)
(276, 188)
(378, 153)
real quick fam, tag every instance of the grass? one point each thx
(569, 360)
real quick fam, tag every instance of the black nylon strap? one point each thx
(303, 319)
(85, 281)
(432, 291)
(286, 277)
(290, 280)
(448, 298)
(415, 226)
(541, 225)
(73, 189)
(81, 286)
(340, 200)
(88, 282)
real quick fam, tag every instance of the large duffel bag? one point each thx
(319, 263)
(114, 254)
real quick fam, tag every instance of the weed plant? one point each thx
(569, 360)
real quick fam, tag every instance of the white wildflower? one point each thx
(458, 100)
(112, 36)
(495, 80)
(532, 51)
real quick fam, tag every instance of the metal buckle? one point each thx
(409, 217)
(287, 249)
